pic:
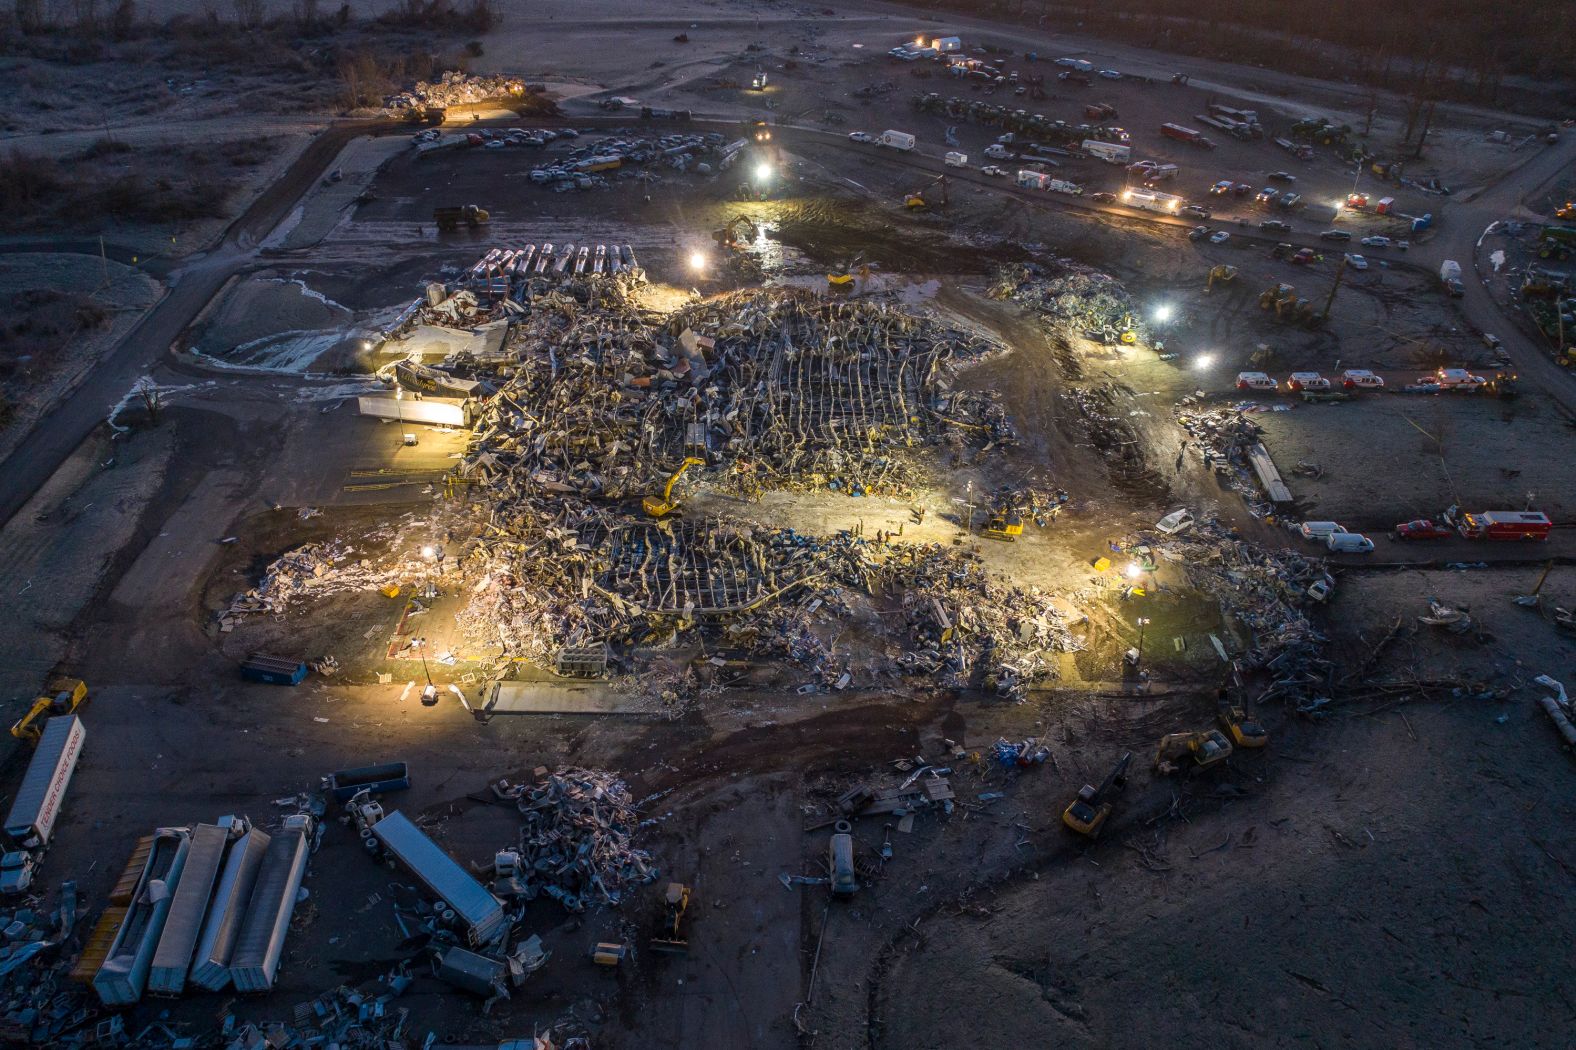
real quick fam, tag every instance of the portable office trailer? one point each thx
(178, 943)
(124, 975)
(476, 910)
(211, 966)
(255, 963)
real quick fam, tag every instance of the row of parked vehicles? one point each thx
(1528, 525)
(1312, 382)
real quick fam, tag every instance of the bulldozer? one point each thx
(1087, 813)
(1244, 730)
(1223, 274)
(61, 696)
(729, 235)
(917, 200)
(1278, 298)
(661, 508)
(672, 935)
(472, 215)
(1193, 752)
(1005, 524)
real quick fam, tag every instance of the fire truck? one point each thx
(1505, 525)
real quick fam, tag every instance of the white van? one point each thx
(1355, 378)
(1349, 543)
(957, 160)
(1254, 381)
(1307, 381)
(1319, 530)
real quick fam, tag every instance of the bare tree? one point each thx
(152, 398)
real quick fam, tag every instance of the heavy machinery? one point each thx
(1005, 524)
(842, 279)
(672, 937)
(1504, 385)
(1193, 752)
(1087, 813)
(1566, 211)
(472, 215)
(758, 81)
(1224, 274)
(729, 235)
(1557, 242)
(62, 696)
(916, 200)
(609, 954)
(1244, 730)
(661, 508)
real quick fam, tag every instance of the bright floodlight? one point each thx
(1204, 360)
(697, 261)
(1132, 571)
(763, 171)
(429, 553)
(1163, 312)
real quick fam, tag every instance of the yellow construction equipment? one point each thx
(471, 215)
(661, 508)
(608, 954)
(1003, 525)
(1223, 274)
(729, 235)
(1191, 751)
(1086, 814)
(1568, 211)
(62, 696)
(671, 936)
(1245, 731)
(916, 199)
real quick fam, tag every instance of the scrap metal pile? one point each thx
(1224, 436)
(576, 840)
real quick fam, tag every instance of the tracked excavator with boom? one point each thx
(661, 507)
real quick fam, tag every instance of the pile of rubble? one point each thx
(452, 89)
(1264, 592)
(1085, 301)
(316, 570)
(576, 840)
(1224, 437)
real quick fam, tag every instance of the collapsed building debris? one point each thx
(575, 841)
(1077, 299)
(453, 88)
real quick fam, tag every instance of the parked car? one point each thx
(1074, 78)
(1198, 233)
(995, 170)
(1304, 257)
(1335, 235)
(1255, 381)
(1221, 188)
(1402, 246)
(1376, 242)
(1288, 201)
(1356, 262)
(1240, 189)
(1311, 381)
(1103, 197)
(1175, 522)
(1266, 195)
(1275, 226)
(1282, 176)
(1195, 211)
(1111, 74)
(1219, 237)
(1421, 529)
(1320, 531)
(1349, 543)
(860, 136)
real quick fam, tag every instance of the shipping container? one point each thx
(391, 776)
(178, 943)
(124, 975)
(438, 411)
(211, 967)
(261, 942)
(478, 912)
(32, 818)
(274, 670)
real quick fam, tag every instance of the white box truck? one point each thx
(1033, 180)
(896, 140)
(957, 160)
(1110, 152)
(43, 789)
(1149, 200)
(1063, 186)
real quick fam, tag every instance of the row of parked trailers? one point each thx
(497, 271)
(210, 907)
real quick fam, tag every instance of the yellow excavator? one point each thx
(1086, 814)
(1222, 274)
(730, 235)
(1193, 752)
(843, 280)
(916, 200)
(661, 508)
(62, 697)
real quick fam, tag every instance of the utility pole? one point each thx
(1143, 621)
(1339, 273)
